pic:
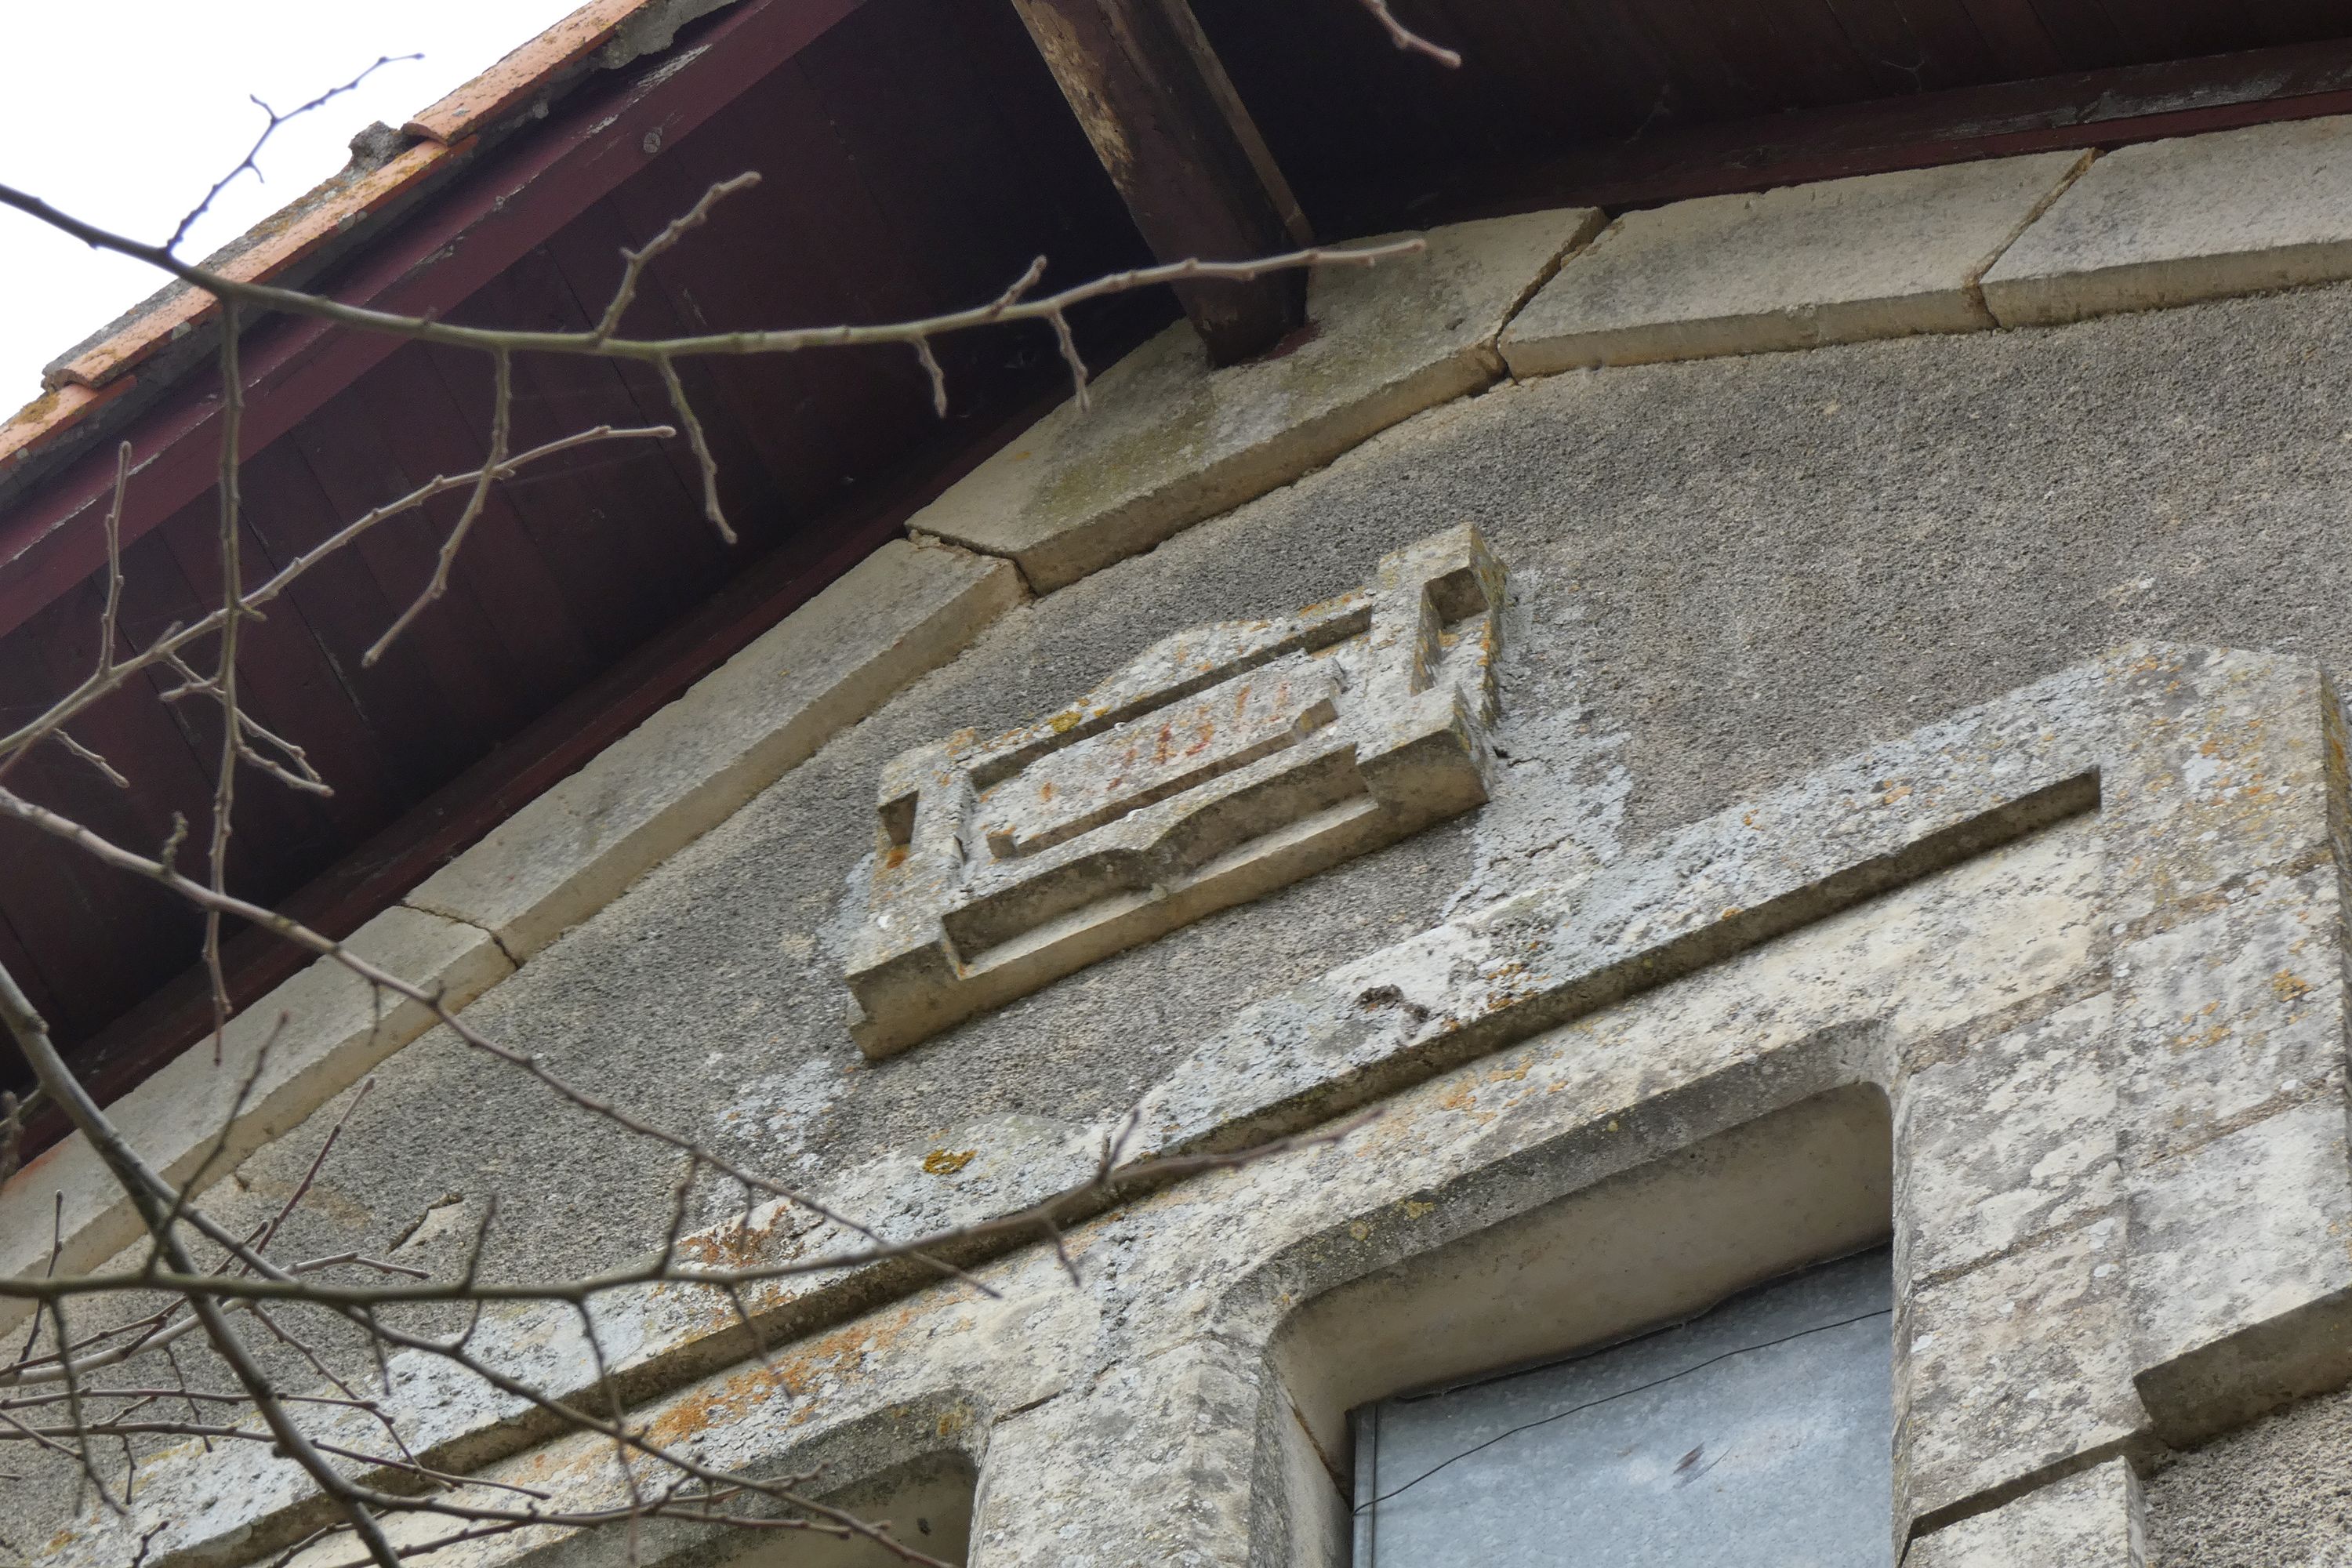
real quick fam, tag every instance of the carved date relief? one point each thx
(1221, 764)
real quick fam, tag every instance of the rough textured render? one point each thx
(335, 1028)
(902, 611)
(2165, 223)
(2089, 1520)
(2271, 1493)
(1603, 1103)
(1877, 256)
(1166, 441)
(1222, 763)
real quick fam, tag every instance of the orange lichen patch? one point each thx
(733, 1245)
(508, 84)
(2288, 985)
(53, 411)
(941, 1163)
(278, 242)
(836, 1355)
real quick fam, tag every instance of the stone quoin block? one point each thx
(1221, 764)
(2094, 1519)
(2010, 1139)
(2016, 1367)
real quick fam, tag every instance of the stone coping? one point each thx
(1165, 441)
(2052, 883)
(1877, 256)
(2168, 223)
(2006, 242)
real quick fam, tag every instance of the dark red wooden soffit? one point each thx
(2083, 108)
(488, 219)
(454, 817)
(1172, 134)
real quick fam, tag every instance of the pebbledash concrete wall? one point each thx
(1787, 992)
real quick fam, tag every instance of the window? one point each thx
(1760, 1434)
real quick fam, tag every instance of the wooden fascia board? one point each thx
(495, 212)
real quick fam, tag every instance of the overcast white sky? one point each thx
(122, 111)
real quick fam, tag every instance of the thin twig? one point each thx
(679, 227)
(501, 424)
(233, 615)
(1406, 38)
(180, 230)
(701, 445)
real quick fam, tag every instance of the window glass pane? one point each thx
(1760, 1435)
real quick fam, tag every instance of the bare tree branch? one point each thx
(247, 164)
(1406, 38)
(109, 1375)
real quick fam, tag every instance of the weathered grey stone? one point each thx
(2222, 810)
(1718, 887)
(902, 611)
(2094, 1519)
(1876, 256)
(1166, 441)
(1221, 764)
(2234, 1016)
(2016, 1369)
(298, 1047)
(2014, 1137)
(2242, 1271)
(2166, 223)
(2221, 773)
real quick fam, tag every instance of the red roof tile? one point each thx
(298, 230)
(506, 85)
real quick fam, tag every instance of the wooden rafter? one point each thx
(1172, 134)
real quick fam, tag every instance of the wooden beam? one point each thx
(2082, 109)
(1172, 133)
